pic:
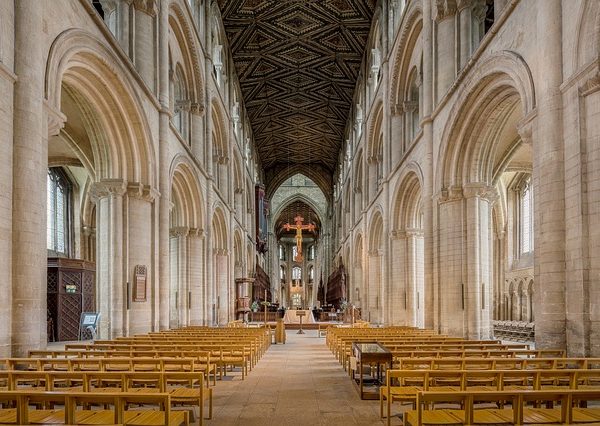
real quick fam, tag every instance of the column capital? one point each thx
(179, 231)
(142, 192)
(397, 234)
(591, 85)
(480, 190)
(197, 108)
(56, 119)
(106, 188)
(375, 253)
(220, 252)
(149, 7)
(443, 9)
(450, 194)
(525, 130)
(463, 4)
(414, 232)
(197, 233)
(88, 231)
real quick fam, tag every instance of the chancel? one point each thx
(184, 182)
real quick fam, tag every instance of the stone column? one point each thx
(465, 33)
(196, 277)
(178, 284)
(414, 276)
(222, 283)
(123, 26)
(30, 168)
(445, 53)
(478, 275)
(399, 286)
(163, 164)
(144, 53)
(430, 308)
(373, 295)
(138, 251)
(450, 288)
(197, 133)
(110, 282)
(548, 189)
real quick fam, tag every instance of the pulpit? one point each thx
(243, 292)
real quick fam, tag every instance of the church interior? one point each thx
(256, 212)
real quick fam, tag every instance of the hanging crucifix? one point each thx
(299, 227)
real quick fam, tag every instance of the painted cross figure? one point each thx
(299, 227)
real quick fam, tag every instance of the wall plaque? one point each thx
(139, 283)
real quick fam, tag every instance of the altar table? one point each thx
(290, 317)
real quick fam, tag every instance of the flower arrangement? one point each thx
(265, 303)
(254, 306)
(343, 305)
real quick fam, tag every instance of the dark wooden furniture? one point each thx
(71, 290)
(336, 287)
(260, 285)
(370, 354)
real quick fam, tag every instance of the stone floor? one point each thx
(299, 383)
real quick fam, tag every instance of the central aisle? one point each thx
(299, 383)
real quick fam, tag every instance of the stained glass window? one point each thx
(527, 218)
(57, 234)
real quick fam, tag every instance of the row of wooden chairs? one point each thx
(185, 388)
(404, 385)
(512, 407)
(26, 407)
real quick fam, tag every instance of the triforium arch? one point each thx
(186, 248)
(406, 82)
(480, 138)
(220, 149)
(85, 79)
(222, 309)
(407, 287)
(358, 186)
(375, 152)
(376, 293)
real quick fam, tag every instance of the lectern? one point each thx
(300, 314)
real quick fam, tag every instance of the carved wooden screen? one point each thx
(261, 283)
(336, 287)
(71, 289)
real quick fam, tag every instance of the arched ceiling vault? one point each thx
(288, 214)
(298, 62)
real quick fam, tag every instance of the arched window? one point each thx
(412, 106)
(311, 274)
(107, 9)
(311, 252)
(526, 218)
(294, 252)
(58, 211)
(181, 104)
(282, 273)
(296, 273)
(281, 252)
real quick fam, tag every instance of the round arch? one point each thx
(96, 79)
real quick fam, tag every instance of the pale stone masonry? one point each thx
(460, 109)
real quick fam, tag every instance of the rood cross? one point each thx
(299, 227)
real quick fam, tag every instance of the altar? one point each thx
(291, 317)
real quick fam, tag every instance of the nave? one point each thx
(298, 383)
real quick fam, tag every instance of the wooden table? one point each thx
(369, 354)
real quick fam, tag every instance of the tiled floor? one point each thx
(299, 383)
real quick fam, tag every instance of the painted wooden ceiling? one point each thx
(297, 62)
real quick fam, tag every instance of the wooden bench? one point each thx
(573, 408)
(404, 385)
(186, 388)
(80, 408)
